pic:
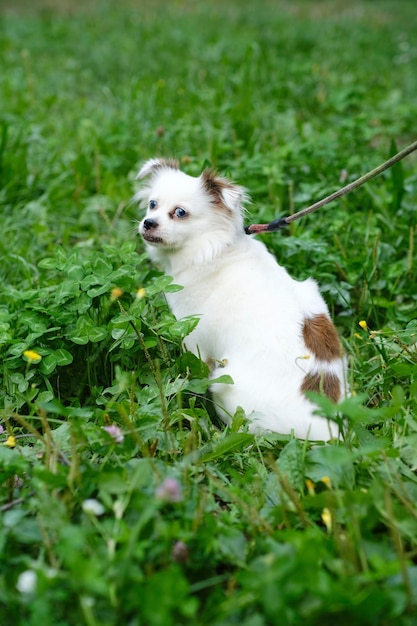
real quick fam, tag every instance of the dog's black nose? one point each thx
(149, 224)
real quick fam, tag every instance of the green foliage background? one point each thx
(292, 100)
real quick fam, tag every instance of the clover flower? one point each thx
(93, 507)
(115, 432)
(179, 552)
(10, 442)
(26, 582)
(169, 490)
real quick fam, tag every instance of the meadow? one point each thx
(123, 500)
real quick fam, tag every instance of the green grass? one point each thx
(291, 99)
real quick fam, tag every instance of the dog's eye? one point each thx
(153, 204)
(180, 213)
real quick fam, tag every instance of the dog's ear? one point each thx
(154, 166)
(223, 191)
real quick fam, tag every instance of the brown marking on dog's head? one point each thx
(224, 193)
(154, 166)
(325, 383)
(321, 338)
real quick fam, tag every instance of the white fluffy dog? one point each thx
(270, 333)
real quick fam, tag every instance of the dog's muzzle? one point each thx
(148, 231)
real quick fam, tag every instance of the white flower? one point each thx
(93, 507)
(26, 582)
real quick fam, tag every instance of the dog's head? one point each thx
(194, 216)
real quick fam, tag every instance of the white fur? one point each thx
(251, 311)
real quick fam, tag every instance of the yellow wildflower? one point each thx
(115, 294)
(310, 487)
(141, 292)
(363, 324)
(11, 442)
(326, 480)
(326, 517)
(31, 355)
(357, 335)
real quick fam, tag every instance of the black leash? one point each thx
(254, 229)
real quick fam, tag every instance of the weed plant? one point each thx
(123, 500)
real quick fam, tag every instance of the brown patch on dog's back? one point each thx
(325, 383)
(321, 338)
